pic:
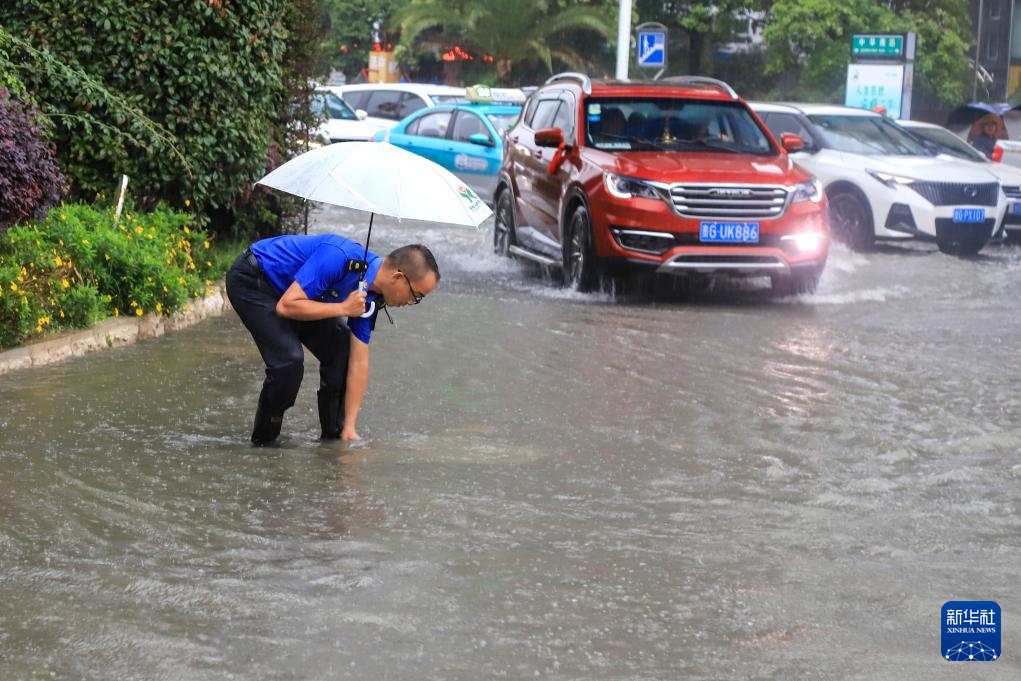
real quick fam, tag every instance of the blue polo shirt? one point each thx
(319, 265)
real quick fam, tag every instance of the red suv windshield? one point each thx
(659, 123)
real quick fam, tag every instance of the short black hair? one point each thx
(414, 260)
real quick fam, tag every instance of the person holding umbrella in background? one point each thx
(323, 292)
(985, 141)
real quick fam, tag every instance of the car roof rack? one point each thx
(701, 80)
(586, 82)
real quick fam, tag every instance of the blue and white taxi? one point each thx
(466, 139)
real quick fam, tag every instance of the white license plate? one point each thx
(728, 232)
(969, 214)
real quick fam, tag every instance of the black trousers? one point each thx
(280, 343)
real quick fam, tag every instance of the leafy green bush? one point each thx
(78, 266)
(183, 97)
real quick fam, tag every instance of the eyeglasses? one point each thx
(418, 298)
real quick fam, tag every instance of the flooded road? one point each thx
(552, 486)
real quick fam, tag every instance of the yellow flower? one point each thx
(64, 283)
(105, 256)
(159, 308)
(187, 202)
(180, 280)
(186, 230)
(61, 241)
(109, 298)
(85, 241)
(14, 287)
(138, 311)
(134, 303)
(138, 230)
(205, 244)
(57, 261)
(116, 312)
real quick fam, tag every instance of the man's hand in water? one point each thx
(354, 304)
(348, 434)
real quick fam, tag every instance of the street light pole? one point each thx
(623, 39)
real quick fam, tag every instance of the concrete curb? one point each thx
(113, 332)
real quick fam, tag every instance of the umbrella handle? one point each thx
(365, 258)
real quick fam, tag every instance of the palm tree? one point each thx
(517, 33)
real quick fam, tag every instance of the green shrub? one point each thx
(79, 265)
(187, 98)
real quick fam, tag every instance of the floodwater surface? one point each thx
(551, 485)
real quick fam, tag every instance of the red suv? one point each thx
(675, 176)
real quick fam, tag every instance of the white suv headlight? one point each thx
(807, 191)
(627, 187)
(889, 179)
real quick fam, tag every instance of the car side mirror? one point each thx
(792, 142)
(549, 137)
(362, 114)
(481, 139)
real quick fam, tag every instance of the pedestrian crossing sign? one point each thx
(652, 49)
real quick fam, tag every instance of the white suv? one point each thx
(881, 181)
(387, 103)
(944, 141)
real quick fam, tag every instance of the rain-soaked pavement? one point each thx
(553, 486)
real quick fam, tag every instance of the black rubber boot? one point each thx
(329, 414)
(267, 426)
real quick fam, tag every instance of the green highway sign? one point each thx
(882, 45)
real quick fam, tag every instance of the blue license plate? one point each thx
(969, 214)
(728, 232)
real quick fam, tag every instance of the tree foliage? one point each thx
(518, 34)
(809, 43)
(209, 73)
(350, 34)
(696, 28)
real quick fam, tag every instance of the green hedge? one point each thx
(79, 266)
(209, 72)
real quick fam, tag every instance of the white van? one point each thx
(387, 103)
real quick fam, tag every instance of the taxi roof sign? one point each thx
(483, 94)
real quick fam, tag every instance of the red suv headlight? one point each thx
(624, 187)
(807, 191)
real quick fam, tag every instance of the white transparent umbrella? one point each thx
(380, 178)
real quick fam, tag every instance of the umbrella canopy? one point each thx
(380, 178)
(966, 121)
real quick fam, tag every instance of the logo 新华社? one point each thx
(971, 631)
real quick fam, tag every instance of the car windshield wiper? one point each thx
(633, 140)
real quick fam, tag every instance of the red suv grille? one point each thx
(728, 201)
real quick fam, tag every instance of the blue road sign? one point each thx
(652, 49)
